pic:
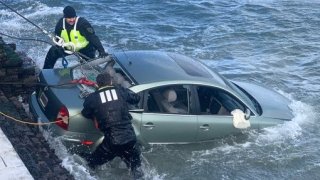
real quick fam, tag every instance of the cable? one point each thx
(82, 80)
(30, 123)
(40, 84)
(44, 31)
(25, 39)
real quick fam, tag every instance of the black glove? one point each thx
(103, 54)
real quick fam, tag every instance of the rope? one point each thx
(30, 123)
(40, 84)
(24, 39)
(82, 80)
(41, 29)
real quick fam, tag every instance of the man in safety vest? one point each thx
(77, 35)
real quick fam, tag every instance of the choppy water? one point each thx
(273, 42)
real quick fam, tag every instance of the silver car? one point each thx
(182, 100)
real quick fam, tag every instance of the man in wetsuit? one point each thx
(76, 31)
(108, 107)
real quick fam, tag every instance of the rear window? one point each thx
(92, 69)
(190, 66)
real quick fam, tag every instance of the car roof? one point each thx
(156, 66)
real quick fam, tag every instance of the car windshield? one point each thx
(249, 98)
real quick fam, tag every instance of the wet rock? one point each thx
(27, 140)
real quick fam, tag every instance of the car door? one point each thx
(214, 107)
(162, 124)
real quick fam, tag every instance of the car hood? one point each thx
(273, 104)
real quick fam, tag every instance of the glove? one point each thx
(58, 41)
(103, 54)
(69, 47)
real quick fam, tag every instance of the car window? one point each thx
(217, 101)
(168, 99)
(92, 69)
(138, 105)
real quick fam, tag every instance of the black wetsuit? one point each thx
(109, 106)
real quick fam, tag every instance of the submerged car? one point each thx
(182, 100)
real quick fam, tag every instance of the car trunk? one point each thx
(53, 98)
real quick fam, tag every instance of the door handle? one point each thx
(205, 127)
(149, 125)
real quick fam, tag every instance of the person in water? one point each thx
(109, 109)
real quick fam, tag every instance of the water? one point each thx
(273, 42)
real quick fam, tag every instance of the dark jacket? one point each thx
(85, 29)
(109, 106)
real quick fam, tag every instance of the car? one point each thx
(182, 100)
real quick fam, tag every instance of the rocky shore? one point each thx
(17, 82)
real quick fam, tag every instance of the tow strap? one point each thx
(84, 81)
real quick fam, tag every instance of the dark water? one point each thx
(272, 42)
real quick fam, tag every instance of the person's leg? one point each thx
(131, 156)
(53, 54)
(101, 155)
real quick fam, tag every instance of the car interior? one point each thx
(214, 101)
(170, 103)
(172, 100)
(117, 76)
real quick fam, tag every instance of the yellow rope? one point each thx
(30, 123)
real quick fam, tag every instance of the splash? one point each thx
(16, 26)
(72, 163)
(78, 168)
(274, 139)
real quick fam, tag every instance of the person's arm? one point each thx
(130, 96)
(88, 109)
(87, 31)
(58, 28)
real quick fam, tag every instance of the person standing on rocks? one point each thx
(108, 107)
(77, 34)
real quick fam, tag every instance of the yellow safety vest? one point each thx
(76, 38)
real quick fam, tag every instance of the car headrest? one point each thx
(170, 95)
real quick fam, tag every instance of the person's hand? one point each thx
(69, 47)
(103, 54)
(58, 41)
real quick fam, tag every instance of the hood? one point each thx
(273, 104)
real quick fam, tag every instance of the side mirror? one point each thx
(247, 114)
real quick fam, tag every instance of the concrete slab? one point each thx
(11, 166)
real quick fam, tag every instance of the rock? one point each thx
(27, 140)
(13, 59)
